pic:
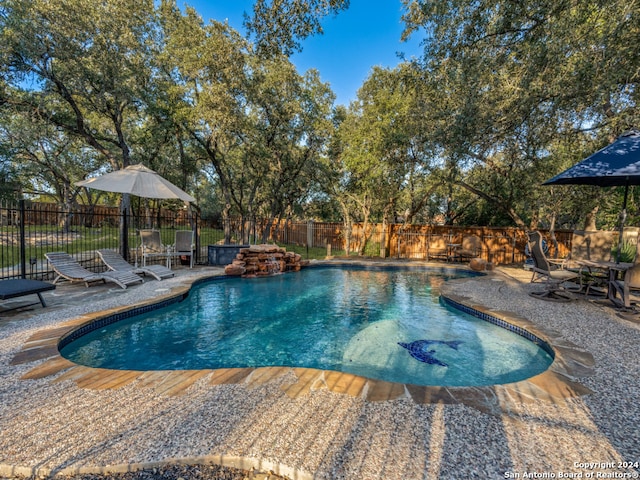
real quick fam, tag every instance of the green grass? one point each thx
(83, 239)
(42, 239)
(311, 253)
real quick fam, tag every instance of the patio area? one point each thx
(55, 422)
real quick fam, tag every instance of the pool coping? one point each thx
(558, 383)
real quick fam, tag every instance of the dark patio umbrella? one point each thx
(617, 164)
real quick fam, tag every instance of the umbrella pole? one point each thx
(125, 203)
(125, 235)
(623, 218)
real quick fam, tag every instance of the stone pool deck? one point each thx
(581, 416)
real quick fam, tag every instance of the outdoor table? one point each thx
(171, 252)
(613, 285)
(19, 287)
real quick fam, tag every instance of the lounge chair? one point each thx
(152, 246)
(19, 287)
(553, 278)
(116, 263)
(67, 268)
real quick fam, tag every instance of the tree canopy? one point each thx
(505, 95)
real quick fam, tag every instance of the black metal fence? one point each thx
(28, 230)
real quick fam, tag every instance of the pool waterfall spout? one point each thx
(273, 266)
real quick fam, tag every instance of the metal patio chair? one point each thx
(152, 247)
(554, 279)
(184, 245)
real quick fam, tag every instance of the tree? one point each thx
(46, 158)
(203, 69)
(385, 158)
(290, 128)
(280, 25)
(374, 147)
(255, 121)
(517, 77)
(90, 63)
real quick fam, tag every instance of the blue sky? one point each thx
(365, 35)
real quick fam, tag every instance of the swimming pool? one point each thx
(386, 324)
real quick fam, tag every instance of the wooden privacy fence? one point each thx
(499, 245)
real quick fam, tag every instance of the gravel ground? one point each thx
(178, 472)
(56, 425)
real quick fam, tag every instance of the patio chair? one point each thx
(152, 246)
(67, 268)
(553, 278)
(471, 247)
(437, 247)
(184, 245)
(116, 263)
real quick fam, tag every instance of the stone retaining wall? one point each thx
(258, 260)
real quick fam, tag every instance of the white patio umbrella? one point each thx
(137, 180)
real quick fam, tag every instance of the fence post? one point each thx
(197, 235)
(23, 243)
(125, 234)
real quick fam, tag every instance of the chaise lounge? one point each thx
(116, 263)
(67, 268)
(471, 247)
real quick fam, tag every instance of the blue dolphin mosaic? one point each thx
(420, 350)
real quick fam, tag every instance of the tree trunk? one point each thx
(266, 232)
(226, 222)
(68, 201)
(383, 239)
(590, 220)
(552, 235)
(365, 230)
(347, 226)
(497, 202)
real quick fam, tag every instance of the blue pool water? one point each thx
(382, 324)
